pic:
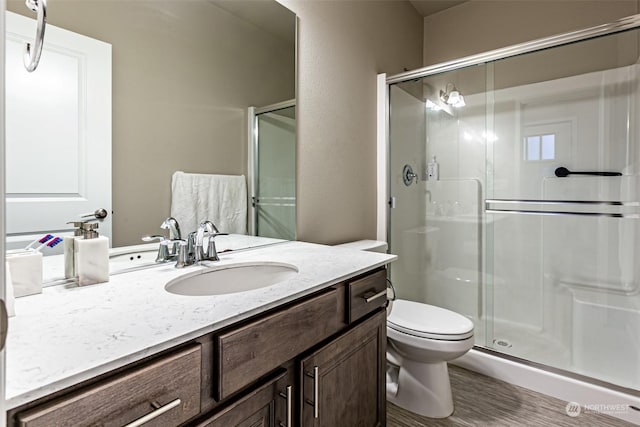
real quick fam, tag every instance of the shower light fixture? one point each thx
(452, 97)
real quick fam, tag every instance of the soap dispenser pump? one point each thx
(87, 254)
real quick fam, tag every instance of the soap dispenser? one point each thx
(90, 260)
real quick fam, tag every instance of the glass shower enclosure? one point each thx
(515, 182)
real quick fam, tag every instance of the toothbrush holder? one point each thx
(26, 271)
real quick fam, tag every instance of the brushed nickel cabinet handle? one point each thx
(316, 393)
(370, 298)
(289, 398)
(151, 415)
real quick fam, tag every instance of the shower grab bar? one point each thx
(273, 201)
(275, 198)
(592, 214)
(563, 202)
(490, 209)
(274, 204)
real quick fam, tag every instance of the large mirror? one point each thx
(183, 74)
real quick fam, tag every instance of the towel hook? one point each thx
(32, 55)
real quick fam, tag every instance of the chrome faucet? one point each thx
(190, 251)
(169, 248)
(208, 228)
(172, 225)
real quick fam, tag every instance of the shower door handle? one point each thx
(562, 172)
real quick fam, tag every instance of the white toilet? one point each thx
(421, 339)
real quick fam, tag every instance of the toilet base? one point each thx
(422, 388)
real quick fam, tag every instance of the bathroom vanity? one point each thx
(308, 351)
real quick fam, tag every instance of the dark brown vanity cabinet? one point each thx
(317, 361)
(344, 381)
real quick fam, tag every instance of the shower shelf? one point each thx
(489, 208)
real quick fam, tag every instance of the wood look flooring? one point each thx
(483, 401)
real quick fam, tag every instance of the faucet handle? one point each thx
(191, 243)
(183, 255)
(168, 250)
(152, 238)
(212, 253)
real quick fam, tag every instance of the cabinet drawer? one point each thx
(165, 392)
(366, 294)
(257, 348)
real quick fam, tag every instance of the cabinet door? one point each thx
(268, 405)
(343, 383)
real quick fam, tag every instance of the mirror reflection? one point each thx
(126, 95)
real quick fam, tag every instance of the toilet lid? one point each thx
(428, 321)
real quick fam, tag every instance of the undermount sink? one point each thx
(231, 279)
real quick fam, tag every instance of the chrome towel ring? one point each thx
(32, 55)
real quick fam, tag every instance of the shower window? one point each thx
(540, 147)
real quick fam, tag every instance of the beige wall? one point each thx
(342, 46)
(184, 73)
(481, 25)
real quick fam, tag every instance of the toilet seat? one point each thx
(427, 321)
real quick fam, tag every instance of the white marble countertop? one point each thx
(70, 334)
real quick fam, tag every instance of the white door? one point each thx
(58, 132)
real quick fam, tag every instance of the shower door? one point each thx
(520, 207)
(564, 206)
(273, 187)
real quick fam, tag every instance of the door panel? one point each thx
(58, 150)
(274, 198)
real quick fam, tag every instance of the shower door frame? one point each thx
(620, 25)
(384, 83)
(385, 202)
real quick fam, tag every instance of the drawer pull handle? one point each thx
(151, 415)
(316, 393)
(289, 398)
(370, 298)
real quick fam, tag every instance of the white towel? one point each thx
(221, 199)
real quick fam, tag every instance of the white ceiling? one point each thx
(429, 7)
